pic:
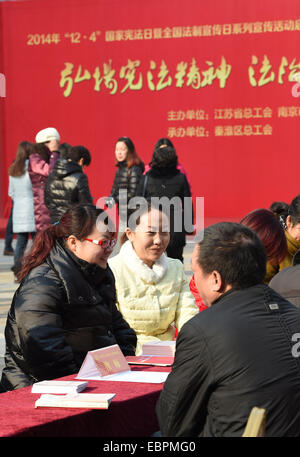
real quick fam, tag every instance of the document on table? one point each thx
(79, 400)
(58, 387)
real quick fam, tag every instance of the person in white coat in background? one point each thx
(153, 293)
(20, 190)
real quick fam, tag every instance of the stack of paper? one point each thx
(58, 387)
(150, 360)
(92, 401)
(159, 348)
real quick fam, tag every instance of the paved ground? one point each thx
(8, 287)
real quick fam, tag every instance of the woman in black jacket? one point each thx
(129, 172)
(67, 183)
(165, 180)
(65, 305)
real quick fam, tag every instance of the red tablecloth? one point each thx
(130, 414)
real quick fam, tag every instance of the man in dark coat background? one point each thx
(238, 353)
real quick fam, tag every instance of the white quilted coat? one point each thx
(152, 300)
(20, 190)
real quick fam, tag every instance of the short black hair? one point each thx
(163, 142)
(164, 157)
(63, 150)
(78, 152)
(283, 210)
(236, 252)
(294, 210)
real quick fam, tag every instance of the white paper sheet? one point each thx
(152, 377)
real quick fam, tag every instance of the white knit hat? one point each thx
(47, 135)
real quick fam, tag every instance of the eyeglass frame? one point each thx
(110, 243)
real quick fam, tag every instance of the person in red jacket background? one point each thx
(198, 299)
(41, 162)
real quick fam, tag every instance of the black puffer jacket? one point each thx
(62, 309)
(126, 178)
(170, 182)
(66, 185)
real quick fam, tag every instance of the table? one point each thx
(130, 414)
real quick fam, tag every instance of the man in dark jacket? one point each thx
(287, 281)
(238, 353)
(67, 184)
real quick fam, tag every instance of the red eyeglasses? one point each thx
(103, 243)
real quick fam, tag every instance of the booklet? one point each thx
(58, 387)
(159, 348)
(92, 401)
(150, 360)
(109, 364)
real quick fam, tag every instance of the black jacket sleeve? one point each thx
(140, 186)
(187, 206)
(115, 188)
(182, 405)
(47, 197)
(134, 178)
(41, 335)
(84, 195)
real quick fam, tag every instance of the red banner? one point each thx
(218, 78)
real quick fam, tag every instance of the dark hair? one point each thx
(42, 150)
(17, 168)
(163, 142)
(78, 220)
(280, 209)
(142, 209)
(132, 157)
(270, 231)
(164, 157)
(63, 150)
(236, 252)
(79, 152)
(294, 210)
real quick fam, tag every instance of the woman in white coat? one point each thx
(20, 190)
(153, 293)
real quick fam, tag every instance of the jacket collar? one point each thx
(223, 297)
(293, 245)
(80, 279)
(163, 172)
(139, 268)
(230, 291)
(92, 272)
(122, 164)
(64, 167)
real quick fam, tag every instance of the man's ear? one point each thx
(217, 283)
(80, 162)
